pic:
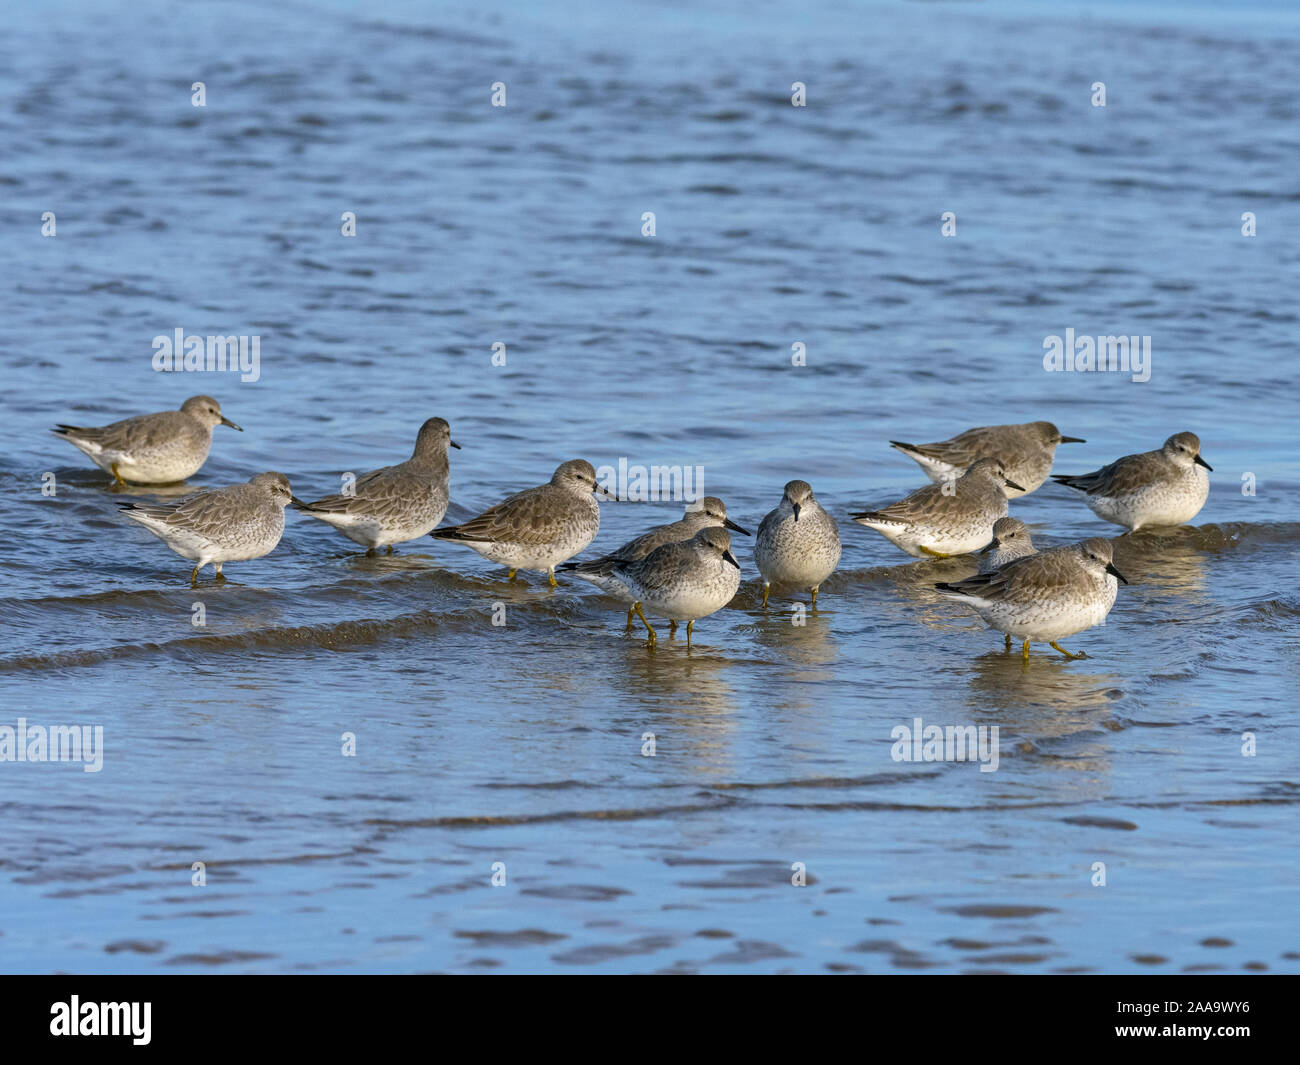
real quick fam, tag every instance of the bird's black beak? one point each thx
(1012, 484)
(454, 444)
(1110, 568)
(992, 545)
(729, 524)
(1072, 440)
(227, 421)
(299, 503)
(729, 557)
(796, 510)
(1201, 462)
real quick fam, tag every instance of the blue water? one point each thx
(522, 744)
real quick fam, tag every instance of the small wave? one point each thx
(487, 820)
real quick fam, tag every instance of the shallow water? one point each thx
(522, 744)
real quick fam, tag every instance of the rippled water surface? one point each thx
(522, 744)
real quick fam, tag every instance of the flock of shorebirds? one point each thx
(685, 570)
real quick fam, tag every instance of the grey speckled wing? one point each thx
(662, 569)
(1046, 575)
(1010, 444)
(538, 516)
(385, 493)
(209, 511)
(635, 549)
(1129, 474)
(144, 432)
(961, 450)
(922, 503)
(642, 545)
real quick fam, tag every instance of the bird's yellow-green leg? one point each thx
(689, 626)
(1057, 647)
(932, 554)
(672, 627)
(194, 576)
(767, 588)
(630, 614)
(510, 575)
(654, 639)
(220, 576)
(1008, 641)
(117, 477)
(814, 597)
(1024, 651)
(390, 549)
(550, 576)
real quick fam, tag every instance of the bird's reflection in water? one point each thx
(1171, 560)
(1005, 682)
(923, 574)
(174, 490)
(1056, 712)
(913, 595)
(685, 695)
(802, 655)
(412, 560)
(799, 639)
